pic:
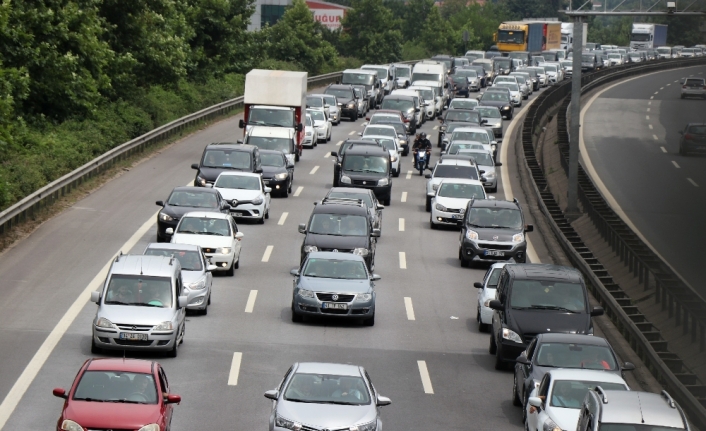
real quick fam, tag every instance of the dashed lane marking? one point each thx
(282, 218)
(649, 103)
(661, 88)
(650, 125)
(676, 165)
(338, 144)
(664, 150)
(409, 175)
(693, 183)
(268, 252)
(235, 369)
(655, 137)
(327, 155)
(401, 224)
(648, 109)
(656, 92)
(251, 301)
(298, 191)
(436, 127)
(351, 133)
(424, 374)
(652, 97)
(403, 260)
(404, 197)
(408, 306)
(313, 171)
(669, 84)
(647, 117)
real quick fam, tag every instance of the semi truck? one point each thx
(276, 98)
(645, 36)
(531, 36)
(567, 35)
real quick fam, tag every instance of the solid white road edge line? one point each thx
(251, 301)
(408, 306)
(404, 197)
(403, 260)
(268, 252)
(424, 374)
(235, 369)
(283, 218)
(298, 191)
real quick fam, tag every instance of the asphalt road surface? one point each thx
(45, 330)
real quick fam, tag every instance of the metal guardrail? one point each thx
(671, 291)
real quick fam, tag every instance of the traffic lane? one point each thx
(637, 164)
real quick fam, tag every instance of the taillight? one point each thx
(688, 137)
(684, 86)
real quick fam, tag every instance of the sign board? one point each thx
(331, 18)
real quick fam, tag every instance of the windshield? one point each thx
(191, 199)
(569, 355)
(402, 72)
(189, 260)
(309, 121)
(398, 104)
(458, 79)
(447, 61)
(399, 127)
(664, 50)
(327, 389)
(511, 85)
(549, 56)
(549, 68)
(590, 46)
(426, 94)
(280, 144)
(567, 64)
(139, 290)
(226, 159)
(116, 386)
(495, 97)
(387, 144)
(315, 102)
(463, 104)
(316, 115)
(548, 294)
(569, 394)
(460, 115)
(358, 92)
(460, 135)
(340, 269)
(435, 77)
(275, 160)
(488, 112)
(511, 36)
(521, 55)
(618, 56)
(502, 63)
(204, 226)
(468, 73)
(271, 117)
(474, 55)
(461, 191)
(351, 195)
(482, 159)
(454, 171)
(339, 225)
(455, 147)
(383, 131)
(240, 182)
(340, 92)
(368, 164)
(499, 218)
(381, 71)
(588, 58)
(640, 37)
(330, 100)
(367, 79)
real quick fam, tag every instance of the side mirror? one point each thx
(481, 171)
(239, 235)
(417, 109)
(478, 285)
(241, 124)
(383, 401)
(239, 141)
(294, 272)
(360, 133)
(272, 394)
(522, 359)
(302, 228)
(258, 170)
(95, 296)
(375, 277)
(160, 203)
(225, 206)
(597, 311)
(172, 399)
(169, 231)
(498, 164)
(183, 302)
(484, 121)
(496, 305)
(59, 392)
(268, 190)
(535, 402)
(427, 176)
(334, 154)
(327, 105)
(375, 233)
(211, 268)
(382, 207)
(195, 166)
(529, 228)
(628, 366)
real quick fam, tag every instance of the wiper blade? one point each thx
(341, 403)
(126, 401)
(143, 304)
(116, 303)
(89, 399)
(298, 400)
(551, 307)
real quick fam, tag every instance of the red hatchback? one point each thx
(117, 394)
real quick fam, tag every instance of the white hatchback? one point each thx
(449, 204)
(486, 293)
(322, 125)
(246, 193)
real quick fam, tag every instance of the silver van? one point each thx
(141, 306)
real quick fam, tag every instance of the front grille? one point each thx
(365, 182)
(333, 311)
(494, 246)
(455, 210)
(208, 250)
(133, 342)
(128, 327)
(340, 250)
(328, 297)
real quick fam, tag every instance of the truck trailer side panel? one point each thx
(536, 37)
(660, 38)
(275, 87)
(553, 40)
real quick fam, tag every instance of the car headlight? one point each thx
(281, 176)
(310, 248)
(549, 425)
(164, 326)
(304, 293)
(434, 187)
(223, 250)
(105, 323)
(286, 423)
(360, 252)
(472, 235)
(393, 159)
(69, 425)
(363, 297)
(351, 105)
(383, 182)
(489, 175)
(440, 207)
(518, 237)
(345, 179)
(443, 128)
(258, 200)
(201, 181)
(308, 133)
(511, 335)
(506, 108)
(370, 426)
(497, 125)
(197, 285)
(165, 217)
(150, 427)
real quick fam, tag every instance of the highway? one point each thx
(631, 140)
(425, 351)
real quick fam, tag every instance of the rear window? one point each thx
(697, 130)
(453, 171)
(694, 82)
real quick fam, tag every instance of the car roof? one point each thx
(328, 368)
(460, 181)
(274, 132)
(349, 190)
(193, 189)
(455, 162)
(231, 146)
(497, 203)
(333, 207)
(238, 174)
(335, 255)
(206, 214)
(139, 264)
(584, 374)
(470, 129)
(636, 407)
(263, 152)
(540, 271)
(371, 150)
(399, 97)
(171, 246)
(572, 339)
(120, 364)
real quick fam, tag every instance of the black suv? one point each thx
(183, 200)
(345, 96)
(341, 225)
(534, 299)
(493, 230)
(342, 150)
(368, 167)
(226, 156)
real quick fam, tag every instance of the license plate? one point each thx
(335, 305)
(266, 181)
(494, 253)
(133, 336)
(456, 216)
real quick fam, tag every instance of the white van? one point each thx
(386, 75)
(273, 138)
(432, 72)
(430, 99)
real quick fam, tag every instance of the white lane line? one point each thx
(435, 127)
(338, 144)
(664, 150)
(661, 88)
(403, 260)
(351, 133)
(669, 84)
(649, 103)
(693, 183)
(676, 165)
(650, 126)
(401, 224)
(409, 175)
(404, 197)
(268, 252)
(648, 109)
(656, 92)
(655, 137)
(298, 191)
(424, 374)
(408, 306)
(652, 97)
(676, 80)
(251, 301)
(313, 171)
(235, 369)
(327, 155)
(647, 117)
(283, 218)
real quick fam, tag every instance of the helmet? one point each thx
(423, 135)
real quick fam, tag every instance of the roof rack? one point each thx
(670, 400)
(601, 391)
(343, 201)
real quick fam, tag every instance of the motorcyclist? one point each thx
(422, 142)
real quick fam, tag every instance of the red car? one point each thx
(119, 394)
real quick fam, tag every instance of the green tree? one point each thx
(371, 33)
(534, 8)
(437, 35)
(415, 14)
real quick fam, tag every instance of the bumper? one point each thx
(695, 92)
(313, 307)
(694, 147)
(463, 93)
(248, 211)
(162, 226)
(488, 251)
(474, 86)
(350, 112)
(198, 299)
(277, 185)
(321, 134)
(335, 116)
(222, 261)
(445, 217)
(109, 339)
(308, 141)
(508, 351)
(490, 183)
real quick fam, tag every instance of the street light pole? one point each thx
(574, 126)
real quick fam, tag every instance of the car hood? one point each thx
(205, 241)
(134, 315)
(190, 276)
(210, 174)
(271, 171)
(337, 242)
(497, 103)
(345, 101)
(334, 285)
(239, 194)
(491, 120)
(326, 416)
(490, 234)
(541, 321)
(319, 123)
(455, 203)
(92, 415)
(567, 419)
(178, 212)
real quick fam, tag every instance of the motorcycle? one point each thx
(420, 155)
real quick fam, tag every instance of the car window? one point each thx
(455, 171)
(240, 182)
(571, 355)
(317, 115)
(495, 96)
(460, 135)
(569, 394)
(265, 143)
(494, 277)
(461, 191)
(190, 260)
(456, 147)
(204, 226)
(309, 121)
(384, 131)
(466, 116)
(387, 144)
(339, 224)
(340, 92)
(139, 290)
(548, 295)
(697, 130)
(226, 159)
(694, 82)
(463, 104)
(163, 382)
(191, 199)
(275, 160)
(331, 100)
(323, 388)
(482, 159)
(116, 386)
(495, 218)
(397, 104)
(488, 112)
(361, 163)
(531, 347)
(339, 269)
(314, 102)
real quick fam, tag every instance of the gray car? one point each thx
(362, 100)
(334, 284)
(486, 166)
(323, 396)
(493, 119)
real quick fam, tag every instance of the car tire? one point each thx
(482, 327)
(432, 225)
(464, 262)
(428, 204)
(209, 300)
(499, 364)
(493, 190)
(515, 396)
(95, 349)
(370, 321)
(492, 348)
(267, 214)
(396, 173)
(328, 138)
(509, 117)
(174, 352)
(204, 311)
(231, 271)
(296, 317)
(387, 201)
(296, 157)
(236, 264)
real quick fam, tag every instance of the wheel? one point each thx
(492, 348)
(267, 214)
(428, 205)
(370, 321)
(328, 138)
(482, 327)
(296, 157)
(432, 225)
(316, 143)
(261, 220)
(515, 396)
(396, 173)
(296, 317)
(209, 300)
(175, 350)
(499, 364)
(236, 264)
(95, 349)
(509, 117)
(230, 271)
(204, 311)
(493, 190)
(386, 201)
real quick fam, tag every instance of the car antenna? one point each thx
(141, 267)
(171, 261)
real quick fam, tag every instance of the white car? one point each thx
(556, 403)
(486, 165)
(334, 111)
(430, 104)
(486, 293)
(478, 134)
(246, 193)
(322, 125)
(515, 93)
(439, 100)
(309, 133)
(384, 130)
(449, 168)
(391, 146)
(216, 234)
(449, 204)
(463, 104)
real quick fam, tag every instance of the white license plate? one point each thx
(457, 216)
(133, 336)
(335, 305)
(494, 253)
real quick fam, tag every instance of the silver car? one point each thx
(493, 119)
(195, 272)
(693, 87)
(325, 396)
(360, 94)
(486, 167)
(334, 111)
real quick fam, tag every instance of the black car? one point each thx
(403, 138)
(347, 102)
(534, 299)
(461, 86)
(480, 70)
(525, 56)
(226, 156)
(342, 150)
(342, 226)
(589, 62)
(503, 66)
(469, 116)
(500, 101)
(693, 139)
(405, 105)
(549, 351)
(183, 200)
(534, 75)
(368, 167)
(365, 195)
(277, 172)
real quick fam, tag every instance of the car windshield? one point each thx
(460, 135)
(694, 82)
(588, 58)
(368, 164)
(271, 117)
(240, 182)
(501, 64)
(455, 171)
(455, 147)
(204, 226)
(274, 160)
(314, 102)
(340, 92)
(570, 355)
(566, 64)
(226, 159)
(352, 195)
(463, 104)
(498, 218)
(339, 225)
(664, 50)
(387, 144)
(397, 104)
(192, 199)
(494, 277)
(494, 96)
(465, 116)
(381, 71)
(511, 85)
(474, 55)
(468, 73)
(116, 387)
(426, 94)
(482, 159)
(190, 260)
(548, 295)
(358, 93)
(358, 78)
(330, 268)
(458, 79)
(383, 131)
(139, 290)
(417, 76)
(317, 115)
(327, 389)
(488, 112)
(384, 118)
(569, 394)
(402, 72)
(461, 191)
(399, 127)
(330, 100)
(618, 56)
(264, 143)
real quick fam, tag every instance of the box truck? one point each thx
(644, 36)
(567, 35)
(531, 36)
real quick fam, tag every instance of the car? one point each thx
(486, 166)
(310, 139)
(533, 76)
(515, 93)
(141, 306)
(225, 156)
(273, 138)
(406, 106)
(472, 55)
(342, 150)
(589, 61)
(317, 102)
(556, 403)
(616, 59)
(346, 100)
(693, 87)
(472, 78)
(313, 394)
(334, 108)
(368, 167)
(216, 234)
(493, 230)
(277, 172)
(430, 101)
(342, 226)
(541, 74)
(403, 75)
(500, 101)
(449, 203)
(461, 86)
(523, 56)
(486, 293)
(693, 139)
(336, 285)
(391, 130)
(522, 83)
(322, 125)
(247, 194)
(385, 74)
(476, 134)
(402, 140)
(526, 80)
(368, 79)
(549, 351)
(455, 116)
(502, 65)
(391, 146)
(493, 119)
(534, 299)
(463, 104)
(449, 168)
(449, 129)
(419, 103)
(195, 272)
(183, 200)
(361, 99)
(488, 69)
(105, 389)
(480, 72)
(439, 96)
(365, 195)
